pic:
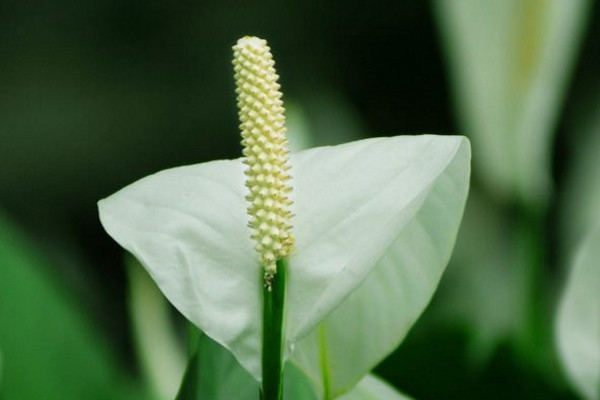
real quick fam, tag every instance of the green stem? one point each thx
(272, 368)
(533, 342)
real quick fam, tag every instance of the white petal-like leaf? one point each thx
(373, 388)
(578, 323)
(510, 61)
(187, 226)
(375, 318)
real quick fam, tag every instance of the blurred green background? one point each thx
(96, 94)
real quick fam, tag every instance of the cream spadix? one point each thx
(262, 123)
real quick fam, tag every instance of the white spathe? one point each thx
(578, 322)
(510, 61)
(377, 315)
(188, 228)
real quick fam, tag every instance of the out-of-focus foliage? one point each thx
(161, 356)
(486, 290)
(49, 347)
(578, 322)
(580, 210)
(510, 61)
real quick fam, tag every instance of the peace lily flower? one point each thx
(373, 226)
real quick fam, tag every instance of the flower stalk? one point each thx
(262, 124)
(272, 343)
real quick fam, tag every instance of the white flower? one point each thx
(374, 223)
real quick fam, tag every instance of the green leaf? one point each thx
(578, 322)
(510, 61)
(188, 227)
(375, 318)
(214, 374)
(489, 286)
(296, 385)
(49, 350)
(373, 388)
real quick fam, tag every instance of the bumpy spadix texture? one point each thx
(262, 123)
